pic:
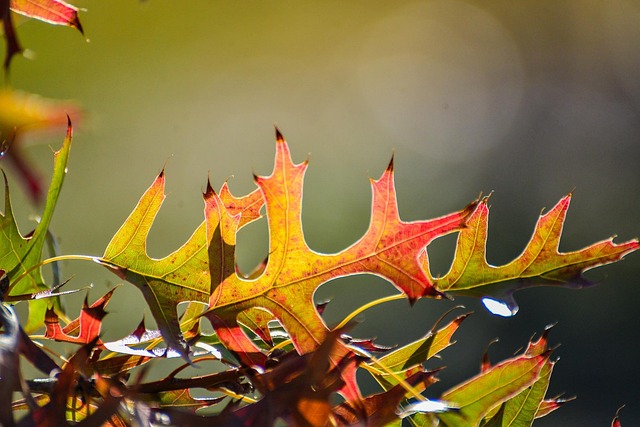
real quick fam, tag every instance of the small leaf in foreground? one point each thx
(84, 329)
(474, 398)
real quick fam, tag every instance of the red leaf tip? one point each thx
(209, 192)
(279, 137)
(390, 165)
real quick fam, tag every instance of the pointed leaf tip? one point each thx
(616, 421)
(209, 192)
(390, 165)
(279, 137)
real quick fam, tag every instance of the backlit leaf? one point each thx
(539, 264)
(405, 361)
(474, 398)
(293, 272)
(205, 265)
(84, 329)
(20, 256)
(54, 12)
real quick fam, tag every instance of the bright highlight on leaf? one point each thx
(499, 308)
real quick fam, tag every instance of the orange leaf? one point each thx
(293, 272)
(86, 328)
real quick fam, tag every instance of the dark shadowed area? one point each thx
(529, 99)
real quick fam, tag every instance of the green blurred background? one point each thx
(530, 99)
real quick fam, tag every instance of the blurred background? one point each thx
(529, 99)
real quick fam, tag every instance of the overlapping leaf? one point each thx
(474, 398)
(292, 273)
(185, 275)
(20, 256)
(401, 363)
(522, 409)
(85, 328)
(539, 264)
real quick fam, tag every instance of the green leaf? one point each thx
(539, 264)
(186, 274)
(474, 398)
(20, 256)
(522, 409)
(407, 360)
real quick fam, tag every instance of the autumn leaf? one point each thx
(539, 264)
(474, 398)
(20, 256)
(68, 383)
(403, 362)
(381, 408)
(54, 12)
(185, 275)
(523, 408)
(293, 272)
(82, 330)
(205, 265)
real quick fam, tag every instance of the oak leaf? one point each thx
(204, 268)
(82, 330)
(539, 264)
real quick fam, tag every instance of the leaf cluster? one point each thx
(279, 359)
(276, 358)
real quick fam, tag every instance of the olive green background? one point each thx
(529, 99)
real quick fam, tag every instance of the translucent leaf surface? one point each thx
(539, 264)
(20, 256)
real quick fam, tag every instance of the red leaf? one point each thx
(54, 12)
(84, 329)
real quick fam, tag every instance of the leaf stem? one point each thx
(359, 310)
(50, 261)
(408, 387)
